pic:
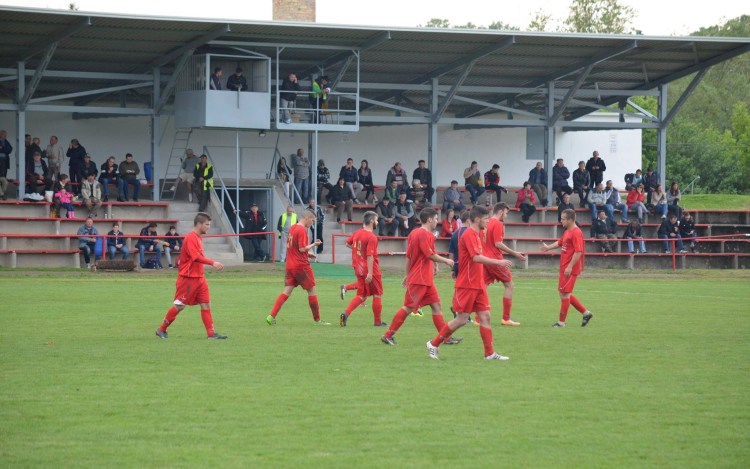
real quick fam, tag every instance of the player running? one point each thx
(494, 248)
(298, 270)
(364, 246)
(420, 288)
(471, 289)
(192, 288)
(571, 264)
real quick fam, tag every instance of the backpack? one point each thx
(152, 263)
(629, 178)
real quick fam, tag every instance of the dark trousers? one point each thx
(583, 194)
(320, 237)
(258, 253)
(123, 187)
(87, 250)
(73, 173)
(393, 226)
(498, 190)
(566, 189)
(322, 186)
(34, 186)
(527, 210)
(370, 190)
(203, 195)
(676, 209)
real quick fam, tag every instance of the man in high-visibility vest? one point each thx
(286, 221)
(204, 182)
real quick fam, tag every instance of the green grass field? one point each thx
(716, 202)
(659, 378)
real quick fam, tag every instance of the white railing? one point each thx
(332, 115)
(222, 194)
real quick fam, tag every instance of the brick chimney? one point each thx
(294, 10)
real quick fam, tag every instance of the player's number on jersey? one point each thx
(289, 241)
(359, 248)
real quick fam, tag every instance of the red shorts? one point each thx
(300, 278)
(421, 295)
(495, 273)
(566, 284)
(365, 289)
(466, 300)
(191, 291)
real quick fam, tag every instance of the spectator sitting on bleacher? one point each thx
(449, 224)
(634, 231)
(204, 182)
(116, 242)
(659, 199)
(364, 176)
(492, 182)
(237, 81)
(87, 241)
(129, 171)
(3, 180)
(392, 192)
(635, 202)
(453, 198)
(669, 230)
(538, 180)
(91, 193)
(582, 183)
(172, 245)
(596, 167)
(560, 176)
(36, 171)
(149, 243)
(62, 198)
(425, 179)
(650, 181)
(416, 195)
(687, 230)
(455, 238)
(399, 175)
(75, 155)
(673, 199)
(109, 175)
(186, 173)
(349, 173)
(632, 180)
(473, 182)
(406, 214)
(387, 216)
(323, 181)
(342, 198)
(614, 201)
(598, 201)
(255, 222)
(55, 157)
(605, 229)
(564, 205)
(526, 201)
(87, 167)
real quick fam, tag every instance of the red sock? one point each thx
(507, 304)
(351, 286)
(398, 319)
(445, 334)
(279, 303)
(314, 307)
(354, 304)
(207, 321)
(171, 315)
(577, 304)
(377, 309)
(439, 321)
(565, 305)
(486, 334)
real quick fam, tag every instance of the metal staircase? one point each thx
(174, 165)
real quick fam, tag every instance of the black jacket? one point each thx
(30, 150)
(235, 82)
(323, 175)
(560, 176)
(686, 227)
(597, 175)
(250, 225)
(75, 157)
(581, 178)
(630, 232)
(3, 168)
(30, 174)
(290, 88)
(340, 194)
(667, 228)
(562, 207)
(84, 171)
(6, 148)
(650, 182)
(110, 175)
(364, 180)
(385, 212)
(606, 226)
(424, 176)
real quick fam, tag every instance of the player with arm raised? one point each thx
(571, 265)
(192, 288)
(298, 270)
(470, 292)
(364, 246)
(494, 249)
(419, 284)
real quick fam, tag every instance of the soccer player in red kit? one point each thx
(571, 264)
(364, 246)
(298, 270)
(471, 289)
(420, 288)
(192, 288)
(494, 247)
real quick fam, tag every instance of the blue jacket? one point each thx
(84, 234)
(216, 82)
(453, 246)
(538, 177)
(560, 176)
(349, 175)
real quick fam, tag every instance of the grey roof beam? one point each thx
(173, 81)
(642, 111)
(37, 78)
(393, 106)
(274, 45)
(338, 58)
(452, 92)
(90, 92)
(685, 95)
(644, 115)
(569, 95)
(494, 106)
(194, 44)
(84, 75)
(61, 36)
(342, 70)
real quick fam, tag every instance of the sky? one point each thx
(655, 17)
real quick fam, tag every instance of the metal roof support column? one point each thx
(313, 183)
(661, 137)
(568, 96)
(21, 133)
(685, 95)
(432, 137)
(34, 83)
(155, 136)
(452, 92)
(179, 67)
(621, 105)
(549, 140)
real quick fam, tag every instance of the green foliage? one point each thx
(444, 23)
(436, 23)
(540, 21)
(72, 6)
(599, 16)
(499, 25)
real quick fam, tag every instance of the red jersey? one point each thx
(470, 274)
(296, 260)
(421, 245)
(192, 249)
(493, 233)
(570, 243)
(364, 244)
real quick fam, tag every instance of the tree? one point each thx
(599, 16)
(499, 25)
(73, 6)
(540, 21)
(436, 23)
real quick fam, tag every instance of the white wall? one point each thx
(381, 146)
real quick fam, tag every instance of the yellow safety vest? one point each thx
(283, 221)
(207, 183)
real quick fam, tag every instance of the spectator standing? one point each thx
(36, 172)
(392, 192)
(449, 224)
(75, 155)
(289, 89)
(560, 176)
(596, 167)
(526, 201)
(319, 97)
(342, 198)
(349, 173)
(453, 198)
(424, 175)
(285, 176)
(320, 218)
(492, 182)
(538, 180)
(614, 201)
(669, 230)
(285, 223)
(673, 199)
(91, 192)
(564, 205)
(582, 183)
(148, 242)
(3, 177)
(204, 182)
(364, 176)
(473, 182)
(32, 146)
(650, 181)
(87, 241)
(598, 202)
(116, 242)
(605, 229)
(687, 230)
(323, 181)
(387, 217)
(302, 175)
(659, 199)
(55, 157)
(406, 215)
(396, 173)
(634, 231)
(215, 82)
(109, 175)
(635, 202)
(237, 81)
(255, 222)
(5, 150)
(63, 198)
(186, 173)
(129, 171)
